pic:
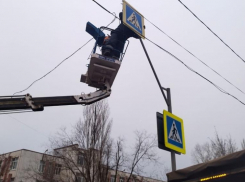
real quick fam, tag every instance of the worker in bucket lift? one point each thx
(113, 45)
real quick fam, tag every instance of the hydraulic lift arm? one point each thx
(25, 102)
(101, 73)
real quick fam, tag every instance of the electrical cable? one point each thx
(114, 14)
(219, 88)
(105, 9)
(212, 31)
(27, 126)
(185, 50)
(194, 56)
(54, 67)
(103, 31)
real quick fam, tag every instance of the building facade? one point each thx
(30, 166)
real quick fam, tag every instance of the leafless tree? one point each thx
(142, 153)
(119, 156)
(202, 153)
(158, 170)
(90, 138)
(216, 147)
(243, 144)
(93, 144)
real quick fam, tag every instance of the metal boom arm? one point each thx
(24, 102)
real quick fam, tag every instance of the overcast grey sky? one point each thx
(36, 35)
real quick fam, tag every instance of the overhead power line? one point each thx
(212, 31)
(105, 9)
(28, 126)
(64, 59)
(181, 47)
(195, 56)
(53, 68)
(219, 88)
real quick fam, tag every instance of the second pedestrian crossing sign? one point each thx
(133, 19)
(174, 137)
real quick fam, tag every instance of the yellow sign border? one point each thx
(128, 25)
(169, 145)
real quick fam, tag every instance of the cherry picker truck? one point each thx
(101, 73)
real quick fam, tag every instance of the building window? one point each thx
(14, 163)
(57, 168)
(80, 160)
(80, 179)
(49, 168)
(121, 179)
(112, 178)
(41, 166)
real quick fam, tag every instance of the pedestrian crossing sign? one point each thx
(174, 137)
(133, 19)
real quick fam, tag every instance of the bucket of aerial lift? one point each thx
(101, 69)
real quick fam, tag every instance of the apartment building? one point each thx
(23, 166)
(30, 166)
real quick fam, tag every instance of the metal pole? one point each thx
(173, 159)
(167, 100)
(159, 84)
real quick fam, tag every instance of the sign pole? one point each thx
(154, 72)
(167, 100)
(173, 159)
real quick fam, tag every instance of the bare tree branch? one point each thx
(93, 144)
(215, 148)
(143, 151)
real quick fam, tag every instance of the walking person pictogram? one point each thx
(133, 19)
(174, 133)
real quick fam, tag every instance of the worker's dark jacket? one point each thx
(118, 39)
